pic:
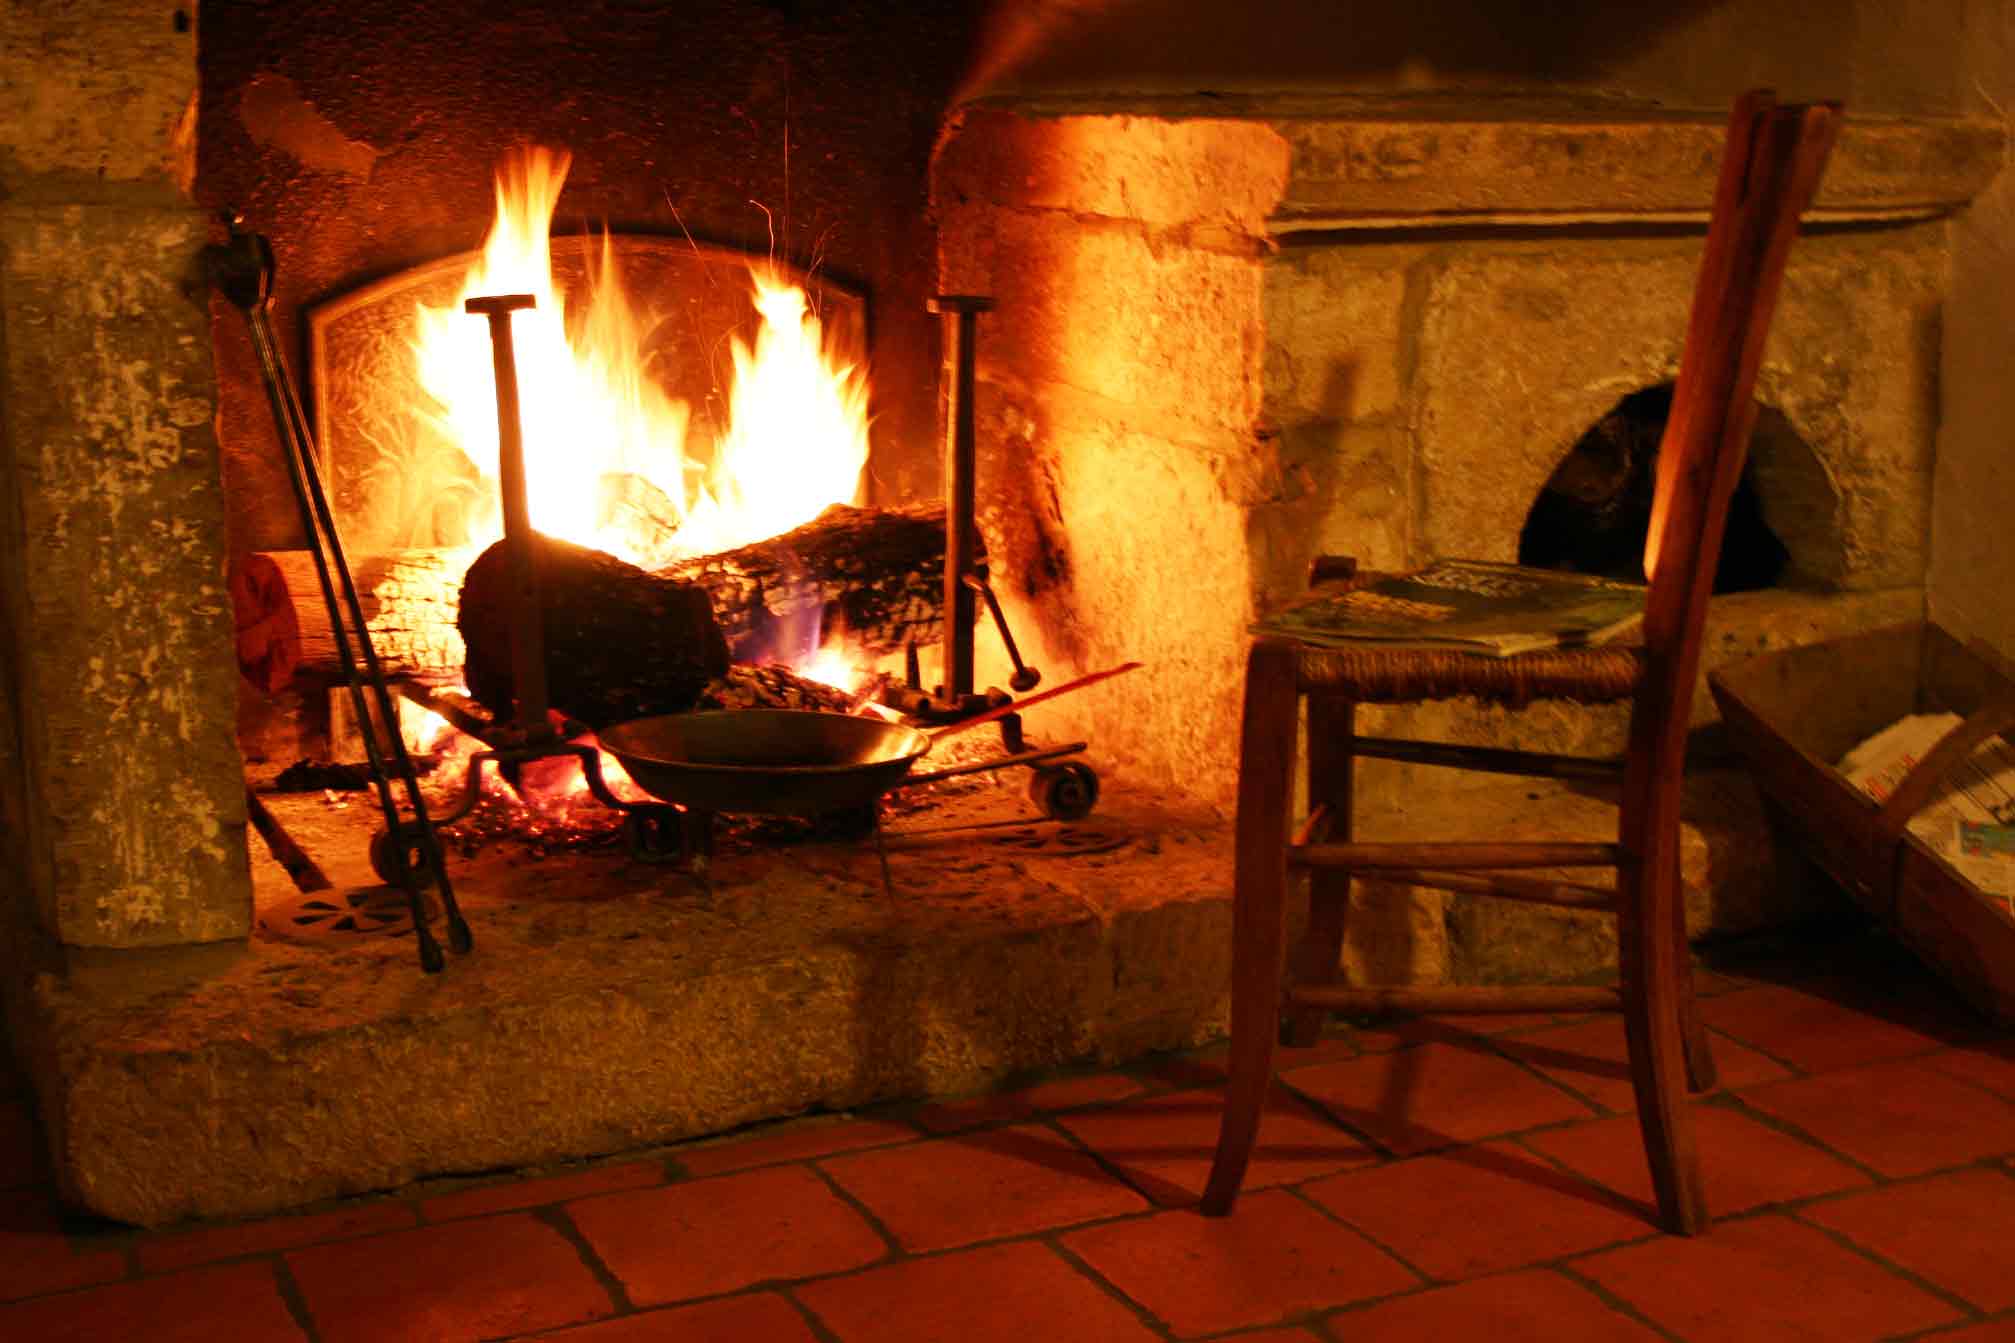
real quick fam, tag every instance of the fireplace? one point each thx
(1231, 332)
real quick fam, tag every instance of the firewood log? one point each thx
(620, 642)
(408, 597)
(875, 576)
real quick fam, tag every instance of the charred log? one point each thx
(620, 642)
(878, 574)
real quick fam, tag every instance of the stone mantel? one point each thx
(1346, 163)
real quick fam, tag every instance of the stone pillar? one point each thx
(119, 773)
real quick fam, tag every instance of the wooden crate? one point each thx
(1793, 713)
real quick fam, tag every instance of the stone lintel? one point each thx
(1402, 162)
(1357, 174)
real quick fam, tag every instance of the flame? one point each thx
(606, 459)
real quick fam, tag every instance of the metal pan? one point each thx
(777, 762)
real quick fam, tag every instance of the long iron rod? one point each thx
(961, 612)
(244, 274)
(300, 470)
(528, 636)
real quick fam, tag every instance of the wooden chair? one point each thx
(1772, 160)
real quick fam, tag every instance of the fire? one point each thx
(606, 459)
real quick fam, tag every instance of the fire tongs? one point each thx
(242, 270)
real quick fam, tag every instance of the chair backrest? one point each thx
(1771, 163)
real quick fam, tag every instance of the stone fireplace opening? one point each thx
(1233, 330)
(1593, 512)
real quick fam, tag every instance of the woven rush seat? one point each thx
(1373, 674)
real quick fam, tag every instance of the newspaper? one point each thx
(1970, 820)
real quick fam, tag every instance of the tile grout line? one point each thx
(293, 1298)
(1970, 1311)
(1053, 1241)
(895, 1250)
(1427, 1280)
(1610, 1299)
(1740, 1104)
(555, 1216)
(819, 1329)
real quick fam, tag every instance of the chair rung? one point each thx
(1504, 886)
(1438, 857)
(1489, 759)
(1467, 998)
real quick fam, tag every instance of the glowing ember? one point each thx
(832, 666)
(600, 434)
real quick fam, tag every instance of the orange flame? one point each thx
(598, 429)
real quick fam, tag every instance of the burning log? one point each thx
(409, 605)
(621, 642)
(878, 573)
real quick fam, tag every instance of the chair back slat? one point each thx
(1770, 170)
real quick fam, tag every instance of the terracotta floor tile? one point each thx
(1063, 1093)
(490, 1277)
(1448, 1028)
(1068, 1093)
(982, 1186)
(1207, 1068)
(508, 1195)
(966, 1112)
(706, 1237)
(20, 1144)
(1436, 1095)
(1744, 1163)
(1817, 1034)
(1031, 1294)
(1534, 1306)
(1766, 1279)
(1989, 1065)
(760, 1317)
(1898, 1118)
(1938, 1229)
(239, 1302)
(203, 1245)
(1271, 1260)
(791, 1142)
(1165, 1142)
(1590, 1057)
(36, 1256)
(1993, 1331)
(1476, 1210)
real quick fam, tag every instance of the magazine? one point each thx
(1969, 820)
(1497, 610)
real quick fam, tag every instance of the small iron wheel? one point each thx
(1066, 792)
(385, 855)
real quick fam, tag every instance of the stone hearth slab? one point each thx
(610, 1006)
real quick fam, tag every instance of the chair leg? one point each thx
(1655, 984)
(1701, 1072)
(1259, 911)
(1332, 726)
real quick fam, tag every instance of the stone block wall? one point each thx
(124, 815)
(1228, 343)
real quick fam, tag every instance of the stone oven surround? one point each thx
(1235, 334)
